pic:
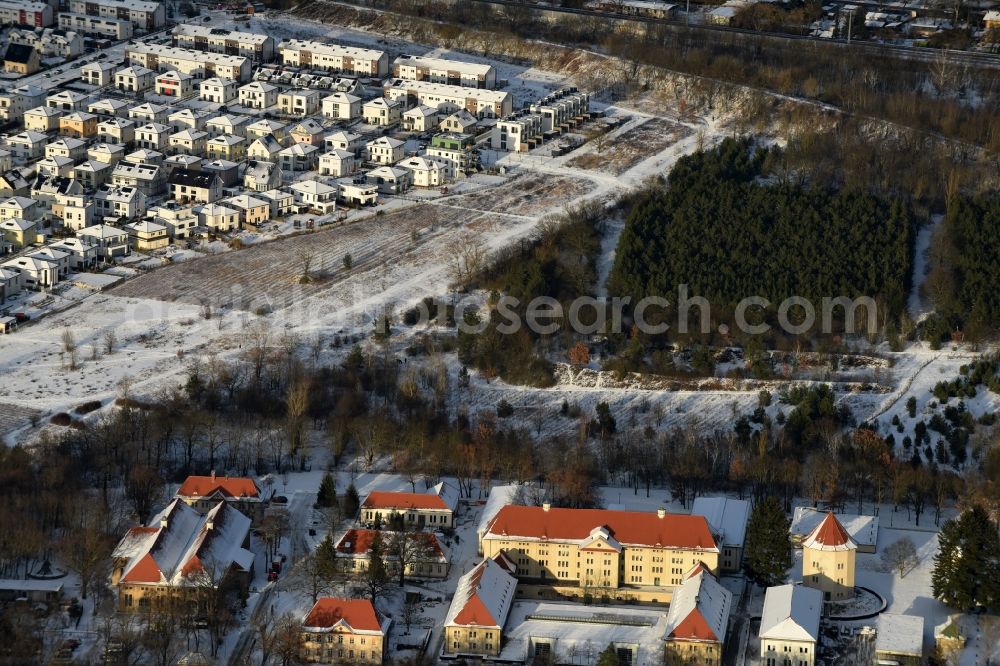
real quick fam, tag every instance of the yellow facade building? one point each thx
(479, 609)
(343, 631)
(600, 555)
(828, 554)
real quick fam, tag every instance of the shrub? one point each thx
(61, 419)
(88, 407)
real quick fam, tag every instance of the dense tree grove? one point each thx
(967, 566)
(718, 229)
(964, 279)
(768, 555)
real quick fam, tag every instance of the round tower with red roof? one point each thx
(828, 554)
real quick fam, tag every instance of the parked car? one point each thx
(279, 499)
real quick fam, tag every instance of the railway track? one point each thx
(917, 53)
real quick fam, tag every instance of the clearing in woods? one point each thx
(269, 275)
(632, 147)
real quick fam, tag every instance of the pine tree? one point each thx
(768, 553)
(327, 495)
(326, 557)
(376, 577)
(352, 502)
(966, 568)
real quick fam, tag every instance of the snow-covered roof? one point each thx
(791, 612)
(313, 187)
(583, 630)
(863, 530)
(30, 584)
(699, 610)
(900, 635)
(483, 597)
(726, 516)
(499, 497)
(180, 543)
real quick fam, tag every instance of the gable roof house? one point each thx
(698, 618)
(24, 208)
(27, 146)
(119, 202)
(227, 147)
(21, 59)
(218, 90)
(434, 508)
(152, 113)
(308, 131)
(17, 233)
(42, 119)
(203, 493)
(479, 609)
(341, 106)
(181, 549)
(14, 182)
(66, 100)
(261, 176)
(382, 112)
(298, 157)
(92, 173)
(147, 235)
(385, 150)
(153, 136)
(390, 179)
(258, 95)
(426, 557)
(81, 255)
(266, 127)
(147, 178)
(728, 519)
(195, 186)
(187, 142)
(67, 146)
(264, 148)
(110, 241)
(343, 631)
(252, 211)
(336, 163)
(36, 272)
(116, 130)
(790, 623)
(109, 108)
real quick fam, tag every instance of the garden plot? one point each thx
(14, 417)
(629, 149)
(526, 195)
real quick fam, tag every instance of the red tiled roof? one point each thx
(694, 627)
(830, 532)
(390, 500)
(358, 614)
(475, 612)
(359, 541)
(145, 570)
(626, 527)
(204, 486)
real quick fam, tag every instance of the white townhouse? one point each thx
(334, 58)
(336, 163)
(66, 100)
(426, 171)
(218, 90)
(440, 70)
(99, 73)
(382, 112)
(135, 79)
(96, 26)
(349, 141)
(254, 45)
(144, 14)
(341, 106)
(315, 194)
(119, 202)
(110, 241)
(153, 113)
(258, 95)
(174, 84)
(299, 102)
(789, 625)
(109, 153)
(385, 150)
(36, 273)
(116, 130)
(266, 127)
(108, 108)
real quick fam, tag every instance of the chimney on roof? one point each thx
(209, 524)
(546, 506)
(163, 523)
(661, 512)
(213, 475)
